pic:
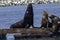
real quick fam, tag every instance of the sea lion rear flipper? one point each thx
(18, 24)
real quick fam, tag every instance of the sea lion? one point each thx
(28, 17)
(45, 21)
(52, 17)
(55, 22)
(27, 21)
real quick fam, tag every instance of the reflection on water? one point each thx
(43, 38)
(11, 37)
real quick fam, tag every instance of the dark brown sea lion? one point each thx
(28, 19)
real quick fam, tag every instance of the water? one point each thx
(44, 38)
(12, 14)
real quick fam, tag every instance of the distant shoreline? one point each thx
(4, 5)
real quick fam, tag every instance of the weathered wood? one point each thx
(23, 30)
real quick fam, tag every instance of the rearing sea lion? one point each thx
(28, 19)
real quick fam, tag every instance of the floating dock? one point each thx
(28, 33)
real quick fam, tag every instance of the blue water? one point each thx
(12, 14)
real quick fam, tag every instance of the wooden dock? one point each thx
(26, 31)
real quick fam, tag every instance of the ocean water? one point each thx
(12, 14)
